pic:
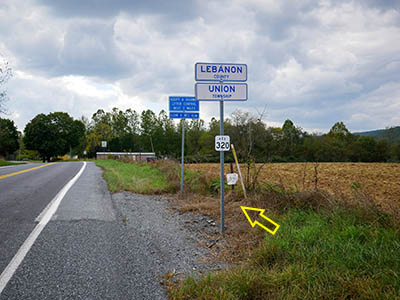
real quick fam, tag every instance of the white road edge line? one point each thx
(6, 167)
(44, 219)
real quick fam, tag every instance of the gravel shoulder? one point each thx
(179, 241)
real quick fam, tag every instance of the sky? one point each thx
(313, 62)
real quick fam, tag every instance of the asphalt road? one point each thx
(23, 197)
(96, 245)
(78, 254)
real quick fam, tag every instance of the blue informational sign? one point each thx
(184, 115)
(182, 107)
(183, 104)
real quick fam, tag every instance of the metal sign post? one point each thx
(183, 153)
(221, 159)
(228, 91)
(183, 108)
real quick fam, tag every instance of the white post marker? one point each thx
(232, 178)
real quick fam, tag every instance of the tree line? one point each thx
(56, 134)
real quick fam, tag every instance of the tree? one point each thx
(194, 131)
(363, 149)
(148, 126)
(93, 144)
(291, 138)
(397, 150)
(166, 139)
(133, 121)
(340, 142)
(78, 133)
(240, 129)
(382, 151)
(8, 137)
(5, 74)
(339, 130)
(53, 134)
(392, 134)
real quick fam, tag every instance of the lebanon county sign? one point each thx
(220, 72)
(217, 91)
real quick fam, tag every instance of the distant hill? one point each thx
(392, 134)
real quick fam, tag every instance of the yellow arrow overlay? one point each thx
(261, 214)
(23, 171)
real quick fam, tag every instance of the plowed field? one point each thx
(380, 182)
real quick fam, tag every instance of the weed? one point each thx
(329, 245)
(7, 163)
(140, 178)
(314, 256)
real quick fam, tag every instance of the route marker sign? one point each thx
(222, 143)
(220, 72)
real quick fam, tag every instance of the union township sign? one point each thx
(220, 72)
(221, 91)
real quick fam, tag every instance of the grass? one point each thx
(313, 256)
(136, 178)
(4, 163)
(153, 178)
(328, 246)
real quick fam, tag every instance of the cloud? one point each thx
(27, 37)
(76, 95)
(314, 62)
(89, 49)
(174, 9)
(379, 108)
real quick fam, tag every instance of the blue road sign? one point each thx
(184, 115)
(183, 104)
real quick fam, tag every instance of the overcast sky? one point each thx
(314, 62)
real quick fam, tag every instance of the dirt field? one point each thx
(380, 182)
